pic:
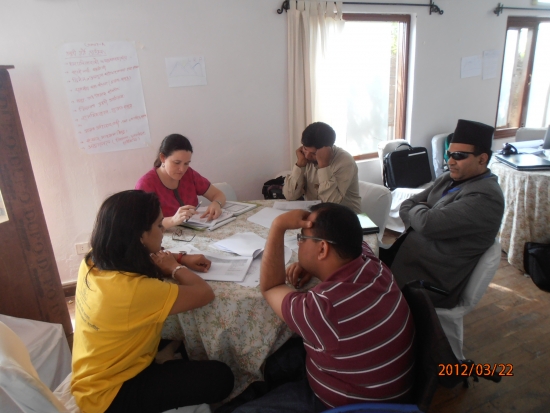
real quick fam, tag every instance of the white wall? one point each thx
(238, 122)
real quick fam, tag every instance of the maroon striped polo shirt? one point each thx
(358, 334)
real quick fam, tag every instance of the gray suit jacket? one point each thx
(448, 235)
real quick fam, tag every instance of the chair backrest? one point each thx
(481, 277)
(21, 390)
(376, 203)
(438, 150)
(432, 346)
(530, 134)
(228, 191)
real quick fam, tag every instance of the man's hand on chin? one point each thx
(292, 220)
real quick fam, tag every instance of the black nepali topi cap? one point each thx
(473, 133)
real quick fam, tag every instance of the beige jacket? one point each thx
(336, 183)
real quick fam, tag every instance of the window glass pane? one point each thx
(538, 114)
(507, 73)
(3, 212)
(354, 84)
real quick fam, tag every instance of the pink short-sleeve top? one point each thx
(190, 186)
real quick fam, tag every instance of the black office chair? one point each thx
(435, 360)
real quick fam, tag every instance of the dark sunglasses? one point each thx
(459, 155)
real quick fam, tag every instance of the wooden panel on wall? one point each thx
(30, 286)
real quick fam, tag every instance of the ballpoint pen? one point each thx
(197, 207)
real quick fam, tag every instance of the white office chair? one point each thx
(22, 391)
(452, 318)
(530, 134)
(438, 151)
(227, 190)
(376, 203)
(401, 194)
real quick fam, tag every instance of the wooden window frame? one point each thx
(519, 22)
(402, 79)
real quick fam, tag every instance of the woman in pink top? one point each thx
(177, 185)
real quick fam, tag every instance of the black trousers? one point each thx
(175, 383)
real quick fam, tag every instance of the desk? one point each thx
(238, 327)
(526, 212)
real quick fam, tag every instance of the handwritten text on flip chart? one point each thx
(103, 83)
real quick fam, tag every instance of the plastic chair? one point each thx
(376, 203)
(530, 134)
(452, 318)
(47, 346)
(399, 195)
(438, 151)
(227, 190)
(22, 391)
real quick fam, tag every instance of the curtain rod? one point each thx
(498, 9)
(433, 7)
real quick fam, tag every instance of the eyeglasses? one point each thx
(302, 238)
(180, 235)
(459, 155)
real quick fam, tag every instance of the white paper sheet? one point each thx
(246, 244)
(103, 83)
(470, 66)
(288, 206)
(265, 217)
(252, 278)
(201, 223)
(490, 64)
(225, 268)
(185, 71)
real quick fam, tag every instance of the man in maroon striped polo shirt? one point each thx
(356, 325)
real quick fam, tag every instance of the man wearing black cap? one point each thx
(453, 222)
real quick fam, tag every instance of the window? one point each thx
(524, 99)
(361, 83)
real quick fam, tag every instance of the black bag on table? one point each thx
(273, 189)
(536, 261)
(407, 168)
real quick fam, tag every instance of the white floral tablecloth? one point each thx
(238, 327)
(527, 210)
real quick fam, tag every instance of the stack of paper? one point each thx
(265, 217)
(198, 223)
(238, 208)
(246, 244)
(222, 268)
(290, 205)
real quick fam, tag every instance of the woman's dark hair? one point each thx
(170, 144)
(116, 239)
(340, 224)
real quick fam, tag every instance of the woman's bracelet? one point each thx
(219, 203)
(179, 267)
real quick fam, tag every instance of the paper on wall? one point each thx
(103, 83)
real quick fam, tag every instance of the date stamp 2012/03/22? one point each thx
(468, 370)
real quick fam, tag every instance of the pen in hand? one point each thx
(197, 207)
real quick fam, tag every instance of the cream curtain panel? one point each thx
(312, 26)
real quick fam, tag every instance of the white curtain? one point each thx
(313, 26)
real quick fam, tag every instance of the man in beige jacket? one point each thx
(323, 171)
